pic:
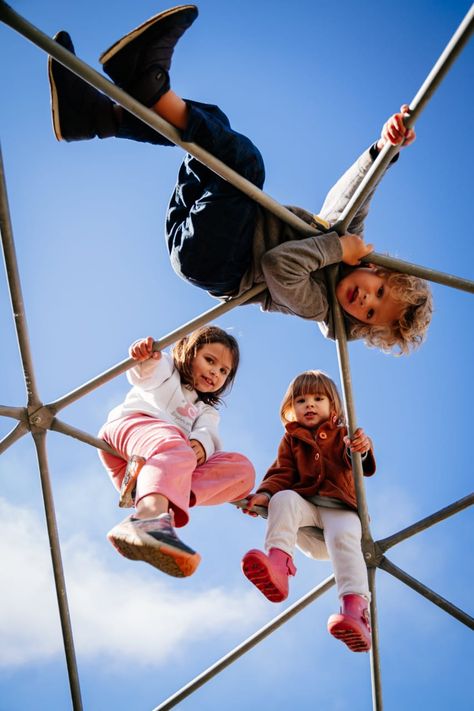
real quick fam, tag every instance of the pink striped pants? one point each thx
(170, 468)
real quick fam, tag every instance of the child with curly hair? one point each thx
(219, 239)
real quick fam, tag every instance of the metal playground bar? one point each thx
(37, 418)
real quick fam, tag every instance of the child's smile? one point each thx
(211, 367)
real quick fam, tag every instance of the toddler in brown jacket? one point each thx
(311, 484)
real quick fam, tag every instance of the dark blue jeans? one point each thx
(210, 224)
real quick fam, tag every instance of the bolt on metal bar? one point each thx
(431, 83)
(375, 667)
(213, 313)
(16, 297)
(16, 433)
(415, 584)
(386, 543)
(247, 645)
(60, 583)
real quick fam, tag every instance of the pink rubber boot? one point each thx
(269, 573)
(351, 625)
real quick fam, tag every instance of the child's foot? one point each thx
(79, 111)
(155, 542)
(140, 61)
(269, 573)
(351, 625)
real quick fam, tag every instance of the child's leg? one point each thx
(169, 464)
(226, 476)
(287, 512)
(342, 533)
(210, 224)
(163, 482)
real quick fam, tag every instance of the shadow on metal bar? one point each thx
(42, 417)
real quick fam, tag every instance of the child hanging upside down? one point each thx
(218, 238)
(311, 484)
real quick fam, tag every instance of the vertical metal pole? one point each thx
(60, 583)
(377, 701)
(431, 83)
(13, 277)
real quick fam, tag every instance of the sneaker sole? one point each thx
(166, 558)
(354, 640)
(257, 573)
(133, 34)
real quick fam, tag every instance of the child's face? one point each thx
(312, 410)
(366, 296)
(211, 367)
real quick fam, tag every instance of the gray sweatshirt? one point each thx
(292, 265)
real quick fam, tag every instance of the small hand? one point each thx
(198, 450)
(143, 350)
(359, 441)
(395, 132)
(255, 500)
(354, 248)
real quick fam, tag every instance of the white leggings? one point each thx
(288, 512)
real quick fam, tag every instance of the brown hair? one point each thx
(311, 382)
(409, 331)
(185, 351)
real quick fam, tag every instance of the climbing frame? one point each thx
(37, 418)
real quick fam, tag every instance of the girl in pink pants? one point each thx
(166, 437)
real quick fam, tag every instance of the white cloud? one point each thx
(114, 615)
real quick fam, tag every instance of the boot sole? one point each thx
(353, 639)
(54, 100)
(166, 558)
(255, 571)
(133, 34)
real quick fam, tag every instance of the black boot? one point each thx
(80, 112)
(140, 61)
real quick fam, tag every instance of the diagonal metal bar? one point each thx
(60, 583)
(70, 431)
(16, 297)
(424, 523)
(417, 105)
(375, 667)
(415, 584)
(18, 23)
(164, 342)
(16, 433)
(19, 413)
(247, 645)
(398, 265)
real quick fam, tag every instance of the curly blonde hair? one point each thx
(311, 382)
(409, 331)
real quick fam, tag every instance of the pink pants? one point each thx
(170, 468)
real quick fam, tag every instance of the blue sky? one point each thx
(311, 83)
